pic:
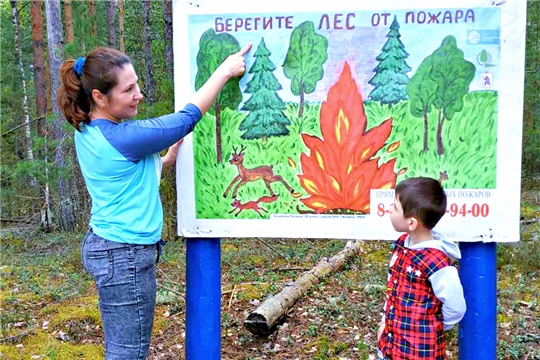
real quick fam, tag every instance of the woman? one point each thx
(121, 166)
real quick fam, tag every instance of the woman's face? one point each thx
(122, 100)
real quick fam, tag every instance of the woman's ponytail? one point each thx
(71, 95)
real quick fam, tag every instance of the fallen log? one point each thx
(263, 320)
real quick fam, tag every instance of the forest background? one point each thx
(47, 303)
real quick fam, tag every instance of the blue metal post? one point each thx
(203, 299)
(478, 329)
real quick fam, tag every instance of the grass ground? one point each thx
(48, 305)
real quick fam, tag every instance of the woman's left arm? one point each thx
(170, 158)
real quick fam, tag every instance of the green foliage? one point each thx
(213, 50)
(42, 281)
(421, 89)
(525, 254)
(390, 79)
(266, 117)
(23, 181)
(213, 179)
(303, 63)
(531, 133)
(10, 84)
(309, 123)
(467, 167)
(19, 198)
(327, 349)
(473, 129)
(82, 28)
(441, 81)
(452, 74)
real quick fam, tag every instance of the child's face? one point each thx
(399, 222)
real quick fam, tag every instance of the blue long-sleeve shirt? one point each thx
(121, 166)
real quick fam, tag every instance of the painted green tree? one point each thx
(390, 79)
(304, 61)
(421, 90)
(213, 50)
(266, 117)
(452, 75)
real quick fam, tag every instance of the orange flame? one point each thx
(393, 147)
(339, 171)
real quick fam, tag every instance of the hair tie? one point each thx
(78, 66)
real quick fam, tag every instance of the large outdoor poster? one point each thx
(342, 101)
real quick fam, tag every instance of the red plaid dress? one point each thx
(413, 316)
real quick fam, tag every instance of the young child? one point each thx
(425, 296)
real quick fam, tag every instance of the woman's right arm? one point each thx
(138, 139)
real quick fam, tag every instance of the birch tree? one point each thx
(56, 55)
(22, 78)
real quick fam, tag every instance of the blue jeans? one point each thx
(125, 278)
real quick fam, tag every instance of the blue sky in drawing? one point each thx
(360, 46)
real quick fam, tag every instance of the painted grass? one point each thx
(469, 140)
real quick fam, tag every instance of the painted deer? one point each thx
(265, 172)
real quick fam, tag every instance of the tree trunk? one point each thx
(301, 104)
(150, 87)
(41, 82)
(40, 75)
(262, 321)
(219, 157)
(168, 35)
(425, 129)
(68, 20)
(91, 13)
(121, 25)
(111, 22)
(22, 78)
(56, 55)
(440, 148)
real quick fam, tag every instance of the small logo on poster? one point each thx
(473, 37)
(486, 80)
(483, 37)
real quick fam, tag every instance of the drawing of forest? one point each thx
(306, 132)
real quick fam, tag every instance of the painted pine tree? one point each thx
(390, 79)
(266, 117)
